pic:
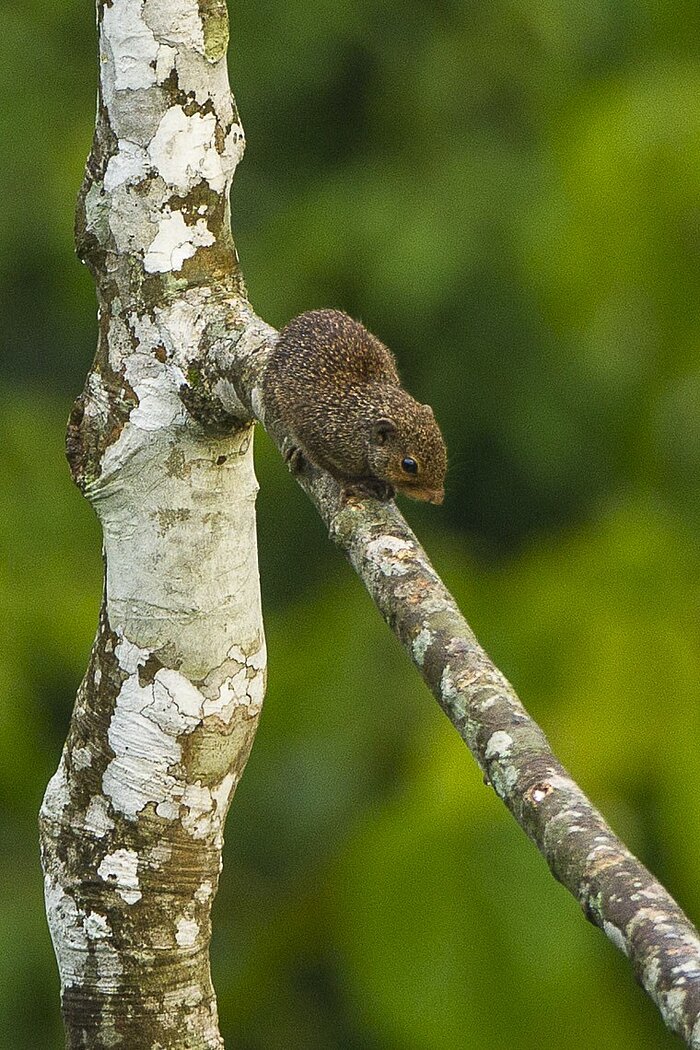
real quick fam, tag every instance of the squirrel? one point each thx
(335, 387)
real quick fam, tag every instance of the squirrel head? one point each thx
(408, 451)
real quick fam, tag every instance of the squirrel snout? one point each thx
(425, 495)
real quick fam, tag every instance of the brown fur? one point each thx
(335, 387)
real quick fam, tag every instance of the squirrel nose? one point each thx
(437, 496)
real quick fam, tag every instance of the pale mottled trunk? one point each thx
(165, 717)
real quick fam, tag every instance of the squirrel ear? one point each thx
(382, 429)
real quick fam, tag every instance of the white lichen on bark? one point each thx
(132, 822)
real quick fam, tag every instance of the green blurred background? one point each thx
(508, 193)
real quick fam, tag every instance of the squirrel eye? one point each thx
(409, 465)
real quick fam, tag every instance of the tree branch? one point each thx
(616, 892)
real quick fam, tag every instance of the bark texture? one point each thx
(131, 825)
(160, 442)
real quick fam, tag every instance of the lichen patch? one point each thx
(129, 165)
(204, 892)
(159, 406)
(82, 758)
(56, 796)
(120, 871)
(390, 555)
(186, 932)
(614, 934)
(96, 926)
(182, 325)
(174, 242)
(198, 81)
(97, 819)
(504, 778)
(133, 46)
(129, 655)
(420, 644)
(175, 22)
(205, 808)
(183, 151)
(499, 745)
(139, 772)
(63, 914)
(695, 1036)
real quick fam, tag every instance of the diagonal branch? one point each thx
(615, 891)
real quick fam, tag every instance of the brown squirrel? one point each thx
(335, 387)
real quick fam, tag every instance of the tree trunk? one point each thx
(165, 717)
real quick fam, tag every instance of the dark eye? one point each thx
(409, 465)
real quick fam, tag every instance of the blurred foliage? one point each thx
(508, 193)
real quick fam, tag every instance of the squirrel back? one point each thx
(336, 388)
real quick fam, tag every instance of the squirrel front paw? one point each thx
(294, 458)
(364, 487)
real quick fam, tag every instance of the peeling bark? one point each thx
(164, 720)
(160, 443)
